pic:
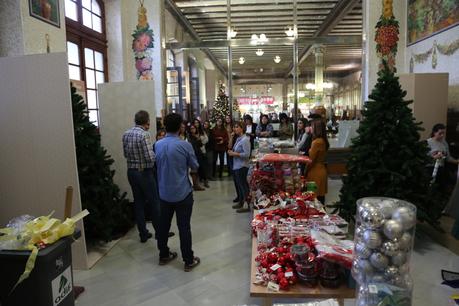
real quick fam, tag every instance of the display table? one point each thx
(297, 291)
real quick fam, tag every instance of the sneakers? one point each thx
(145, 238)
(191, 266)
(238, 205)
(165, 260)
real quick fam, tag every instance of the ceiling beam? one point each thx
(341, 9)
(181, 19)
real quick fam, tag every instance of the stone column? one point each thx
(372, 10)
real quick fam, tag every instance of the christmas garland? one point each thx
(444, 49)
(386, 37)
(142, 46)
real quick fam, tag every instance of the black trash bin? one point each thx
(49, 284)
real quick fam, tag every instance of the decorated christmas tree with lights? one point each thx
(388, 159)
(221, 105)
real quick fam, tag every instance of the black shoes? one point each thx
(191, 266)
(243, 210)
(165, 260)
(235, 200)
(171, 234)
(238, 205)
(145, 238)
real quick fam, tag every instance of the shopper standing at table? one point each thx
(250, 129)
(202, 158)
(317, 172)
(138, 151)
(285, 128)
(241, 155)
(173, 159)
(220, 140)
(264, 129)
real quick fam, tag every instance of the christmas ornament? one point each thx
(377, 278)
(399, 258)
(405, 241)
(391, 272)
(362, 251)
(387, 208)
(379, 261)
(371, 217)
(359, 232)
(393, 229)
(405, 216)
(390, 248)
(365, 266)
(372, 239)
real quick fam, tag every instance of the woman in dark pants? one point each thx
(241, 156)
(220, 141)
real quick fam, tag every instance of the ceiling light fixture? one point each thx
(310, 86)
(232, 32)
(327, 85)
(277, 59)
(259, 52)
(241, 60)
(290, 32)
(263, 38)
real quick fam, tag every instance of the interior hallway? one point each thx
(129, 275)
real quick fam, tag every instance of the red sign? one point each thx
(255, 101)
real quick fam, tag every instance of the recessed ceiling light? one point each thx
(241, 60)
(259, 52)
(277, 59)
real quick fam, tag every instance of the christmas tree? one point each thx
(110, 215)
(388, 158)
(221, 105)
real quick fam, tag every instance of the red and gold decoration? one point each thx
(142, 45)
(387, 30)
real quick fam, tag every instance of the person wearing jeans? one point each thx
(241, 155)
(173, 159)
(138, 151)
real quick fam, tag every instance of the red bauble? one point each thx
(272, 257)
(264, 263)
(293, 280)
(283, 284)
(280, 275)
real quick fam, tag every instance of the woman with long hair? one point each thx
(194, 139)
(241, 156)
(210, 150)
(229, 130)
(317, 172)
(220, 140)
(264, 129)
(204, 139)
(182, 132)
(285, 127)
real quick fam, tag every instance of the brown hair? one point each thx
(319, 131)
(240, 124)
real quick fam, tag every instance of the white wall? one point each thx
(11, 37)
(449, 64)
(38, 159)
(118, 104)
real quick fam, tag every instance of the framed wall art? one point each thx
(45, 10)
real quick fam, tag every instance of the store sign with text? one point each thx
(255, 101)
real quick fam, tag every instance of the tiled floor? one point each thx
(130, 276)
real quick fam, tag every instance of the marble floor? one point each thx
(129, 275)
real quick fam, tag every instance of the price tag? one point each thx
(373, 289)
(275, 267)
(288, 274)
(261, 211)
(273, 287)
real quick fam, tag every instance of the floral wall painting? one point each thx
(45, 10)
(428, 17)
(142, 45)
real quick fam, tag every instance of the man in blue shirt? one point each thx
(173, 159)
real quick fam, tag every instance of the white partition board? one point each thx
(37, 158)
(118, 103)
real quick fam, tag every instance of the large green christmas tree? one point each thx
(110, 215)
(388, 158)
(221, 106)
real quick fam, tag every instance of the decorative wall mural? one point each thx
(46, 10)
(142, 45)
(446, 49)
(427, 17)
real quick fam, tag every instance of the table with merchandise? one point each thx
(298, 250)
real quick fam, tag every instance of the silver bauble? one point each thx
(397, 281)
(379, 261)
(372, 239)
(372, 218)
(406, 216)
(393, 229)
(365, 266)
(390, 248)
(359, 233)
(391, 272)
(362, 207)
(405, 241)
(356, 273)
(387, 208)
(399, 258)
(377, 278)
(362, 301)
(362, 251)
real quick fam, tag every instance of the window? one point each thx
(170, 58)
(87, 48)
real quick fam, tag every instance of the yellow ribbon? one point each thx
(44, 230)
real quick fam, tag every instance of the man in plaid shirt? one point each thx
(138, 151)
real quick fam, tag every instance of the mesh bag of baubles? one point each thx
(384, 237)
